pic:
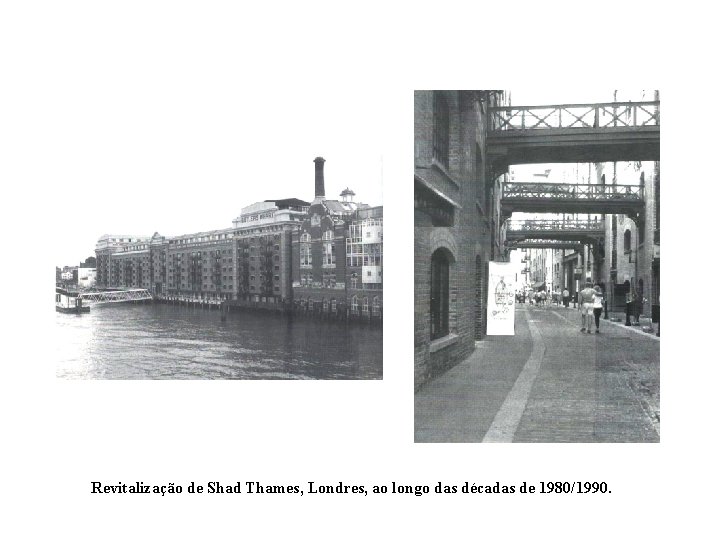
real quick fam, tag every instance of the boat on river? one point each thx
(67, 301)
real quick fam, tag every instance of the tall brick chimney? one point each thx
(319, 179)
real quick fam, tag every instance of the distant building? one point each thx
(68, 275)
(86, 277)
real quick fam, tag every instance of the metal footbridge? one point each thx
(557, 230)
(596, 132)
(571, 198)
(112, 297)
(592, 133)
(540, 243)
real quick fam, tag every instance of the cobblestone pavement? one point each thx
(548, 383)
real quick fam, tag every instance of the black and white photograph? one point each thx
(282, 281)
(537, 266)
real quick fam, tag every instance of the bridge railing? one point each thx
(106, 297)
(528, 243)
(534, 243)
(593, 115)
(550, 190)
(594, 225)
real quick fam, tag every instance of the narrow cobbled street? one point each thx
(548, 383)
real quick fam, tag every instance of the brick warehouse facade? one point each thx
(255, 263)
(337, 257)
(457, 226)
(632, 248)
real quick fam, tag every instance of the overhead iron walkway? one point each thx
(571, 198)
(558, 230)
(539, 243)
(596, 132)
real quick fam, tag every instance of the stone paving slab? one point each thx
(587, 388)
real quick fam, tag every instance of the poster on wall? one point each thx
(501, 299)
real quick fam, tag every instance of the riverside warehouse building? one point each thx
(283, 255)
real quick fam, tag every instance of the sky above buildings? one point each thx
(178, 160)
(554, 95)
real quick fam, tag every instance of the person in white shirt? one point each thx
(586, 299)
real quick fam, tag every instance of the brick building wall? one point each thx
(638, 265)
(456, 214)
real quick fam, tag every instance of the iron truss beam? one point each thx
(543, 244)
(572, 230)
(595, 132)
(549, 197)
(106, 297)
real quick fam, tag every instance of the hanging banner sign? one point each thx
(501, 299)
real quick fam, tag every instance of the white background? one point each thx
(152, 95)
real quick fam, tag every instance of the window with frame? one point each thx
(305, 251)
(328, 247)
(441, 129)
(329, 253)
(354, 306)
(439, 295)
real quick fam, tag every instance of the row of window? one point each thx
(355, 305)
(327, 235)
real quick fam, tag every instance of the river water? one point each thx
(160, 341)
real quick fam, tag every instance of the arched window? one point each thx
(441, 129)
(366, 306)
(333, 305)
(304, 237)
(627, 244)
(325, 305)
(439, 294)
(354, 307)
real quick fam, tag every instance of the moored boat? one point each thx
(67, 301)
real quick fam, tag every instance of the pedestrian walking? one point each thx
(629, 303)
(566, 297)
(598, 306)
(586, 299)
